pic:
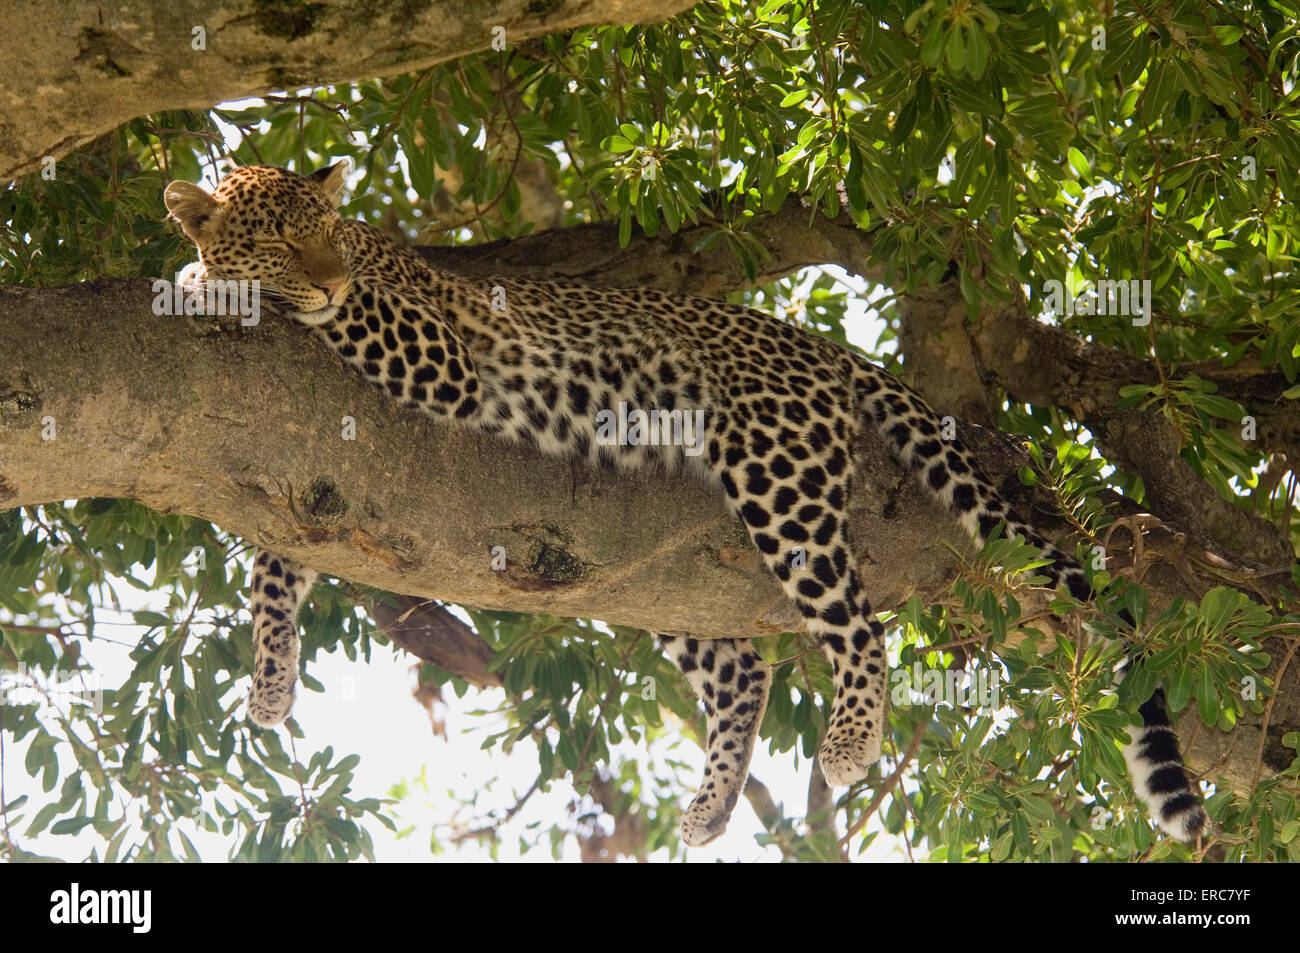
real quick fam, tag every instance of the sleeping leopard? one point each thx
(781, 408)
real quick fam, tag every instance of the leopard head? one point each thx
(273, 225)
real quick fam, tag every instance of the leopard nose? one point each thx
(332, 288)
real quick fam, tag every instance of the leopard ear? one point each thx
(331, 179)
(196, 210)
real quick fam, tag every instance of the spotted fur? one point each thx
(782, 408)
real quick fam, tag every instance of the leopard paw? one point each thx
(192, 277)
(847, 758)
(706, 818)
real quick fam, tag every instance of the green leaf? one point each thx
(978, 53)
(1139, 684)
(1217, 607)
(932, 43)
(617, 144)
(71, 825)
(1135, 600)
(1219, 407)
(1180, 689)
(956, 49)
(1207, 699)
(1079, 163)
(906, 121)
(983, 195)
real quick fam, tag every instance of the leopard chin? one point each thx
(318, 317)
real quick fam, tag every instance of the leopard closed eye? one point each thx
(778, 408)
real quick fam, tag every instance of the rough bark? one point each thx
(1085, 380)
(967, 366)
(86, 67)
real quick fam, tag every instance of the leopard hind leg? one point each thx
(809, 554)
(279, 587)
(732, 682)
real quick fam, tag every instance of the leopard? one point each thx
(781, 408)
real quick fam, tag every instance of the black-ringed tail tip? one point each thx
(1160, 777)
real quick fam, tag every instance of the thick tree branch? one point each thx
(964, 367)
(795, 236)
(1044, 365)
(87, 68)
(432, 634)
(225, 423)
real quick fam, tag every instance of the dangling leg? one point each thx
(828, 595)
(792, 493)
(732, 682)
(860, 714)
(279, 586)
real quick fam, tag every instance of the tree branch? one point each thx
(1046, 366)
(432, 634)
(224, 423)
(88, 68)
(961, 367)
(795, 236)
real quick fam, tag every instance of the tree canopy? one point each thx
(1068, 221)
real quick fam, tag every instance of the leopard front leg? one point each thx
(279, 587)
(401, 343)
(732, 681)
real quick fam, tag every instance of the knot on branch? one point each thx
(17, 404)
(322, 503)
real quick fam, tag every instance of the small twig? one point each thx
(497, 825)
(4, 803)
(890, 783)
(302, 791)
(1268, 713)
(600, 712)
